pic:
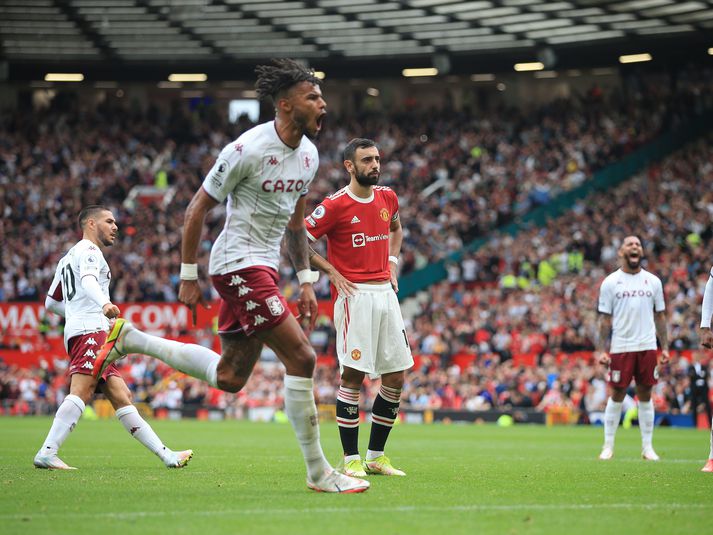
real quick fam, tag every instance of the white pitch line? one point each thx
(331, 510)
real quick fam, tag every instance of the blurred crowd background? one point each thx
(513, 324)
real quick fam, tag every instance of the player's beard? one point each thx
(105, 239)
(633, 263)
(367, 180)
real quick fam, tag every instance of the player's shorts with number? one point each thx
(640, 365)
(371, 336)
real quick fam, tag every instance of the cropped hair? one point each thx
(354, 144)
(89, 212)
(282, 74)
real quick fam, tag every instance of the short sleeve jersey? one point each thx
(631, 300)
(262, 180)
(357, 232)
(82, 314)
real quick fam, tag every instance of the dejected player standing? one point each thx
(361, 222)
(264, 175)
(632, 308)
(80, 293)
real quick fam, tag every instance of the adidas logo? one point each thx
(251, 305)
(259, 320)
(91, 342)
(355, 219)
(88, 365)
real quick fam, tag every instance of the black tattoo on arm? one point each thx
(602, 334)
(297, 248)
(660, 320)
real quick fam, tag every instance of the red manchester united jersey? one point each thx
(357, 232)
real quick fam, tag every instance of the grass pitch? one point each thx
(249, 478)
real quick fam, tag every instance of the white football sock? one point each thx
(612, 415)
(64, 422)
(371, 455)
(302, 413)
(191, 359)
(139, 429)
(646, 422)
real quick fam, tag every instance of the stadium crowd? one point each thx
(483, 168)
(491, 336)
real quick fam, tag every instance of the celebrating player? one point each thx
(80, 293)
(632, 307)
(361, 222)
(264, 174)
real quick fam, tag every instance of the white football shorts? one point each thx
(371, 336)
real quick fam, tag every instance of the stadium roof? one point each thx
(374, 37)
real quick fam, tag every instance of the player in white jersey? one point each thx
(80, 293)
(707, 342)
(632, 309)
(264, 175)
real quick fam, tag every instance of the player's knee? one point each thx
(230, 382)
(393, 380)
(303, 359)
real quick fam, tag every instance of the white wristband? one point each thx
(307, 276)
(394, 259)
(189, 272)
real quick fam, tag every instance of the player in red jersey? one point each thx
(361, 222)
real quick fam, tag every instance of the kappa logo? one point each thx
(90, 353)
(275, 305)
(355, 220)
(395, 411)
(134, 430)
(352, 410)
(88, 365)
(259, 320)
(356, 354)
(251, 305)
(239, 148)
(307, 162)
(244, 290)
(91, 342)
(236, 280)
(272, 161)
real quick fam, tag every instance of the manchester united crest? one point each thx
(356, 354)
(384, 213)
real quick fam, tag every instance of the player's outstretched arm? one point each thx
(189, 292)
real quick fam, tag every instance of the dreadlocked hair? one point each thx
(280, 76)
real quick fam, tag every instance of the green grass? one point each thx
(249, 478)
